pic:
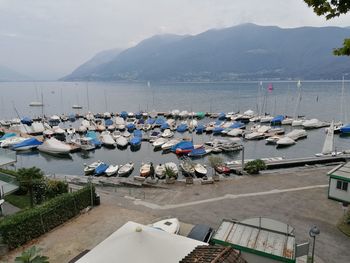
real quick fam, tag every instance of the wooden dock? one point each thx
(289, 163)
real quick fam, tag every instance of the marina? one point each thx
(142, 136)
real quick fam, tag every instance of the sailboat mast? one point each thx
(298, 100)
(342, 114)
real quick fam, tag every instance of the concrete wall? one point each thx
(336, 193)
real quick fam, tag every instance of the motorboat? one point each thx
(107, 139)
(107, 115)
(217, 130)
(182, 127)
(169, 144)
(28, 144)
(183, 114)
(314, 123)
(222, 169)
(86, 143)
(287, 121)
(200, 129)
(200, 170)
(175, 113)
(297, 122)
(171, 225)
(70, 130)
(82, 129)
(297, 134)
(8, 135)
(112, 170)
(116, 134)
(77, 107)
(159, 142)
(135, 141)
(183, 147)
(160, 171)
(126, 169)
(266, 119)
(272, 139)
(254, 136)
(277, 120)
(145, 169)
(54, 146)
(187, 168)
(11, 141)
(154, 136)
(101, 169)
(198, 152)
(119, 123)
(235, 132)
(126, 134)
(167, 133)
(285, 141)
(100, 128)
(122, 142)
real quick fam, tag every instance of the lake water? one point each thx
(320, 100)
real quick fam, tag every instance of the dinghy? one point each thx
(167, 133)
(122, 142)
(126, 169)
(111, 170)
(159, 142)
(200, 170)
(101, 169)
(145, 169)
(90, 169)
(169, 144)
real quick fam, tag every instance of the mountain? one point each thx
(7, 74)
(244, 52)
(88, 69)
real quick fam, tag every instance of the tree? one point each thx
(254, 167)
(331, 9)
(31, 256)
(215, 161)
(28, 177)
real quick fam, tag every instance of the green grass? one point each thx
(20, 201)
(344, 225)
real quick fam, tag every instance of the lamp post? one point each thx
(314, 231)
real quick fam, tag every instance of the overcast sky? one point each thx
(47, 39)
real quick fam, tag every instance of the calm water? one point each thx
(319, 100)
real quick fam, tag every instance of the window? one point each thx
(341, 185)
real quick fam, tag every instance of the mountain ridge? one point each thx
(243, 52)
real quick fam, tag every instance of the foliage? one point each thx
(55, 188)
(169, 172)
(27, 178)
(344, 224)
(254, 167)
(20, 201)
(331, 9)
(344, 50)
(215, 161)
(39, 191)
(31, 256)
(7, 171)
(22, 227)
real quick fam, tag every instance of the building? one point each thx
(259, 240)
(339, 180)
(213, 254)
(135, 243)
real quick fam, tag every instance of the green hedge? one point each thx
(24, 226)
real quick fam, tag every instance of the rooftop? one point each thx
(342, 171)
(213, 254)
(263, 236)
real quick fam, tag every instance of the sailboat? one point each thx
(328, 145)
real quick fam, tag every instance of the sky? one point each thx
(48, 39)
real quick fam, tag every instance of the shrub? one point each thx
(31, 255)
(254, 167)
(55, 188)
(22, 227)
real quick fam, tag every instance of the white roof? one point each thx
(134, 243)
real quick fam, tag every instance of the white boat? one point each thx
(171, 225)
(111, 128)
(54, 146)
(36, 104)
(314, 123)
(287, 121)
(200, 170)
(90, 116)
(159, 142)
(266, 119)
(107, 115)
(126, 169)
(100, 128)
(86, 143)
(254, 136)
(70, 130)
(175, 113)
(192, 124)
(167, 133)
(297, 134)
(90, 169)
(272, 139)
(172, 166)
(111, 170)
(285, 141)
(11, 141)
(169, 144)
(119, 123)
(160, 171)
(107, 139)
(145, 169)
(328, 146)
(235, 132)
(116, 134)
(77, 107)
(297, 122)
(126, 134)
(122, 141)
(82, 129)
(183, 114)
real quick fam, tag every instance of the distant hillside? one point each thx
(7, 74)
(242, 52)
(87, 70)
